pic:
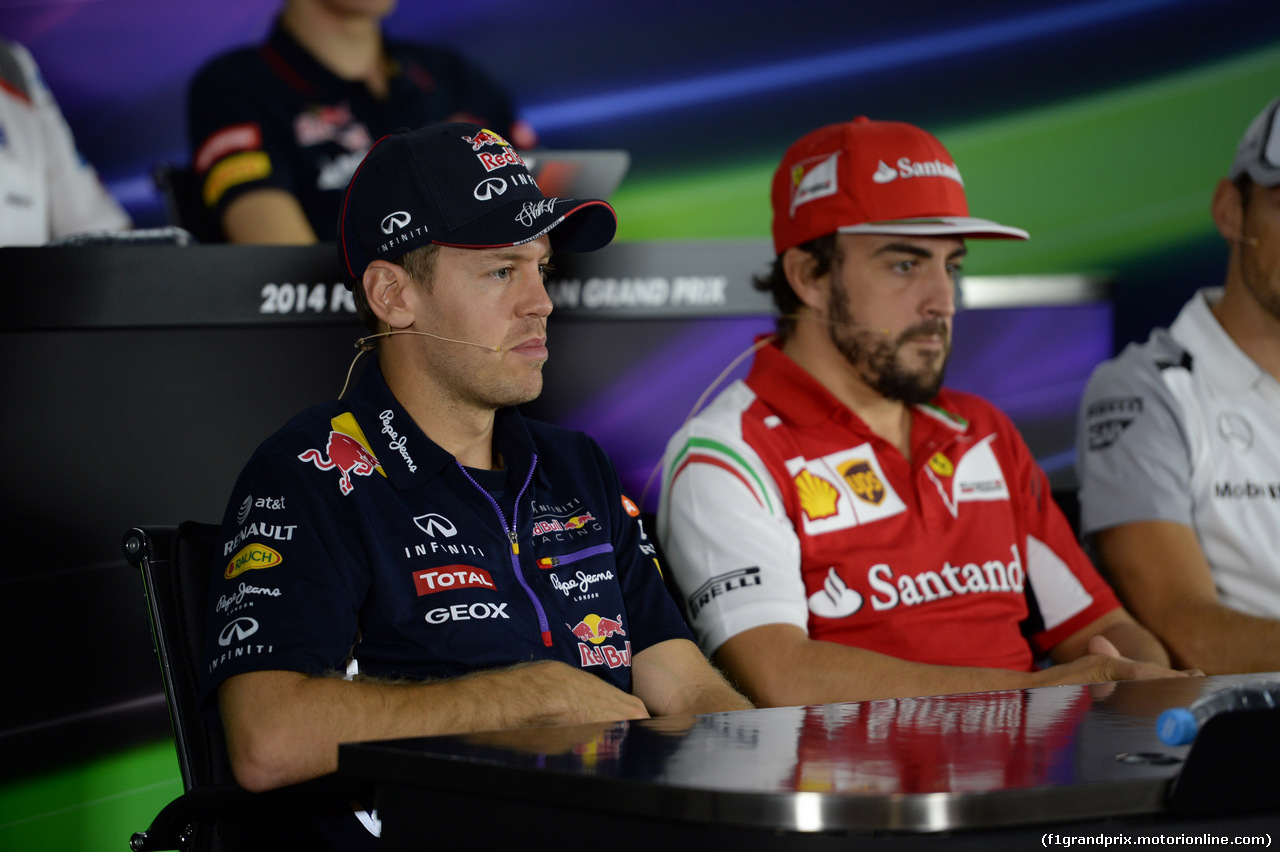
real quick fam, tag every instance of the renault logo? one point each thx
(398, 219)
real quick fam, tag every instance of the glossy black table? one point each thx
(967, 770)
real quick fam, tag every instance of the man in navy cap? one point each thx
(420, 559)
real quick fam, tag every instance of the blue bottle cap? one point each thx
(1176, 726)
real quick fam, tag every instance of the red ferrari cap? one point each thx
(872, 177)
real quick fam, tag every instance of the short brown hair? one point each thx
(421, 266)
(826, 253)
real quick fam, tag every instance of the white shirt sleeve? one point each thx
(1132, 451)
(716, 486)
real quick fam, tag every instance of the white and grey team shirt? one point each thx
(1186, 428)
(47, 190)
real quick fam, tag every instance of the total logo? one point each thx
(595, 630)
(449, 577)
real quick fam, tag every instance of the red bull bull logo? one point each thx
(347, 455)
(485, 137)
(596, 630)
(574, 523)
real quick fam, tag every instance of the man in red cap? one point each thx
(844, 528)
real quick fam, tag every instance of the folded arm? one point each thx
(779, 665)
(284, 727)
(674, 679)
(1159, 570)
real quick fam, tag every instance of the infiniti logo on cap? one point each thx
(489, 187)
(398, 219)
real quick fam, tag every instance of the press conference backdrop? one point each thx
(1099, 126)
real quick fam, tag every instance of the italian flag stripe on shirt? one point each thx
(706, 451)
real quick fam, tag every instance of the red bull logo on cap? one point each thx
(347, 451)
(485, 137)
(595, 630)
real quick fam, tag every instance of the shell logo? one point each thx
(862, 478)
(818, 498)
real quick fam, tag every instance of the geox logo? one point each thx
(906, 169)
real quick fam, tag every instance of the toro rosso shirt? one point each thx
(353, 543)
(273, 117)
(782, 506)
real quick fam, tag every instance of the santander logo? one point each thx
(907, 168)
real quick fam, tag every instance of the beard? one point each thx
(877, 358)
(1264, 289)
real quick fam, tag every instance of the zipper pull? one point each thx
(515, 544)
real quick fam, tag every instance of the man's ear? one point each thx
(386, 286)
(799, 267)
(1228, 211)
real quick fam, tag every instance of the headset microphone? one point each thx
(1252, 242)
(364, 346)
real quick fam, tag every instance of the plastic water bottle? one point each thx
(1178, 726)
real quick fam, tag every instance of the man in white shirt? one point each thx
(1179, 444)
(47, 190)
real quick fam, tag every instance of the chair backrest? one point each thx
(176, 563)
(180, 188)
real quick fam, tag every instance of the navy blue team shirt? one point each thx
(274, 117)
(352, 542)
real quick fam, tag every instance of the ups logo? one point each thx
(864, 482)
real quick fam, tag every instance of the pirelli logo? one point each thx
(722, 584)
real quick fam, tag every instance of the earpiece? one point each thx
(364, 346)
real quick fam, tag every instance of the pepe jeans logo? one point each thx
(395, 221)
(396, 441)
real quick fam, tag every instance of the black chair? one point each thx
(183, 204)
(213, 813)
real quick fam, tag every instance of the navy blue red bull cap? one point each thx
(459, 185)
